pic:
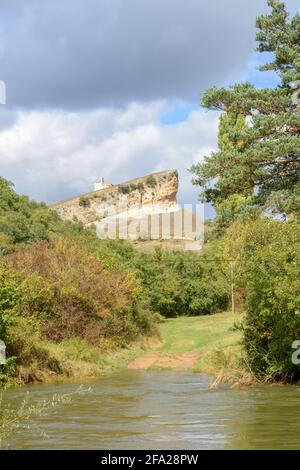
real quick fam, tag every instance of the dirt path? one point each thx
(165, 360)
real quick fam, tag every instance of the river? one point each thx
(162, 410)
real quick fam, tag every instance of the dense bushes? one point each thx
(171, 283)
(9, 298)
(267, 255)
(68, 293)
(25, 221)
(174, 283)
(182, 283)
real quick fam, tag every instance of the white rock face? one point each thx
(144, 208)
(156, 189)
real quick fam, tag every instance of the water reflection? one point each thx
(267, 418)
(165, 410)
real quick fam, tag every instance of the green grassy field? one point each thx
(214, 337)
(187, 334)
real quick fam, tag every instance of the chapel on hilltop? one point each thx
(101, 184)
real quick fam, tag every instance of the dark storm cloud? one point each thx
(88, 53)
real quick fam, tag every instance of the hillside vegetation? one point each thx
(63, 289)
(66, 295)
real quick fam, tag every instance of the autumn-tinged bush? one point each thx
(9, 297)
(69, 293)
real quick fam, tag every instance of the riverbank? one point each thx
(76, 359)
(207, 344)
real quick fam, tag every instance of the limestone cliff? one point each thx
(158, 189)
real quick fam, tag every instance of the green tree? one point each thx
(26, 221)
(229, 123)
(261, 160)
(236, 205)
(267, 254)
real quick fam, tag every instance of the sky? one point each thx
(112, 88)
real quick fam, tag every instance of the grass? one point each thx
(217, 348)
(81, 360)
(214, 337)
(189, 334)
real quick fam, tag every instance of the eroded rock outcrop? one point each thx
(156, 189)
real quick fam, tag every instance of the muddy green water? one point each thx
(163, 410)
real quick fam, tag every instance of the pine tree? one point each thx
(236, 205)
(263, 158)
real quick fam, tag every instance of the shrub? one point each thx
(69, 292)
(268, 257)
(25, 221)
(6, 243)
(9, 298)
(84, 201)
(151, 181)
(177, 283)
(124, 189)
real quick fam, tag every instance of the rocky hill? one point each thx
(156, 189)
(142, 210)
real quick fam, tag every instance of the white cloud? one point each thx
(54, 155)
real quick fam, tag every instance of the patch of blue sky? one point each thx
(177, 112)
(260, 79)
